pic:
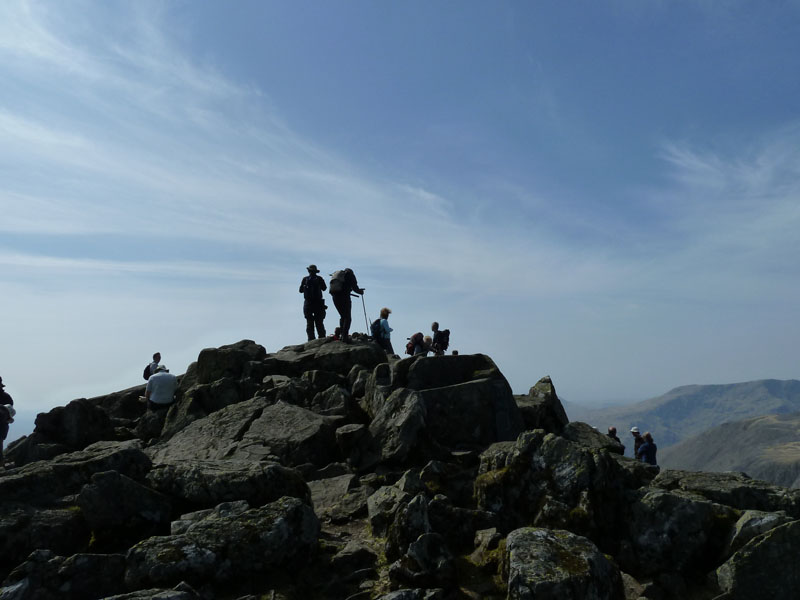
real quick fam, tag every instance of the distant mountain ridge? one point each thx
(766, 447)
(689, 410)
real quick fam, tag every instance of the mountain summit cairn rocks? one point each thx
(330, 470)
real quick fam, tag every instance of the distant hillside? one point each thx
(765, 448)
(689, 410)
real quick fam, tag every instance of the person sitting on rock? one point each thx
(160, 390)
(424, 347)
(637, 442)
(647, 451)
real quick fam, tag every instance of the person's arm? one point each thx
(322, 284)
(303, 285)
(354, 283)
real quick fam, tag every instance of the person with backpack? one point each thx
(441, 339)
(647, 451)
(152, 367)
(7, 413)
(381, 332)
(343, 282)
(314, 307)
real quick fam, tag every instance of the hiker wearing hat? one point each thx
(314, 307)
(637, 442)
(7, 413)
(160, 389)
(343, 283)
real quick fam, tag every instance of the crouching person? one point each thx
(160, 390)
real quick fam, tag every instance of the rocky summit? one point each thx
(329, 470)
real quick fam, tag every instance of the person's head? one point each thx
(385, 312)
(647, 437)
(434, 326)
(312, 269)
(455, 352)
(635, 431)
(427, 340)
(157, 357)
(612, 430)
(2, 385)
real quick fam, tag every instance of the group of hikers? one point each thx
(644, 448)
(344, 285)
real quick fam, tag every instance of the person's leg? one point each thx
(319, 321)
(347, 319)
(308, 313)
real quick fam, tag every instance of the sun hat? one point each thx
(634, 430)
(312, 269)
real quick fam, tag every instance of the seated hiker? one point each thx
(382, 332)
(441, 339)
(647, 451)
(160, 390)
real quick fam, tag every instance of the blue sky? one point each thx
(605, 192)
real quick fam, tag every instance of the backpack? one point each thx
(6, 413)
(375, 330)
(146, 373)
(338, 283)
(444, 340)
(312, 291)
(415, 340)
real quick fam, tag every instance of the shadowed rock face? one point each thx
(329, 470)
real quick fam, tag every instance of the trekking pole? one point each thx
(366, 321)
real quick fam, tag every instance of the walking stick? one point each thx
(366, 321)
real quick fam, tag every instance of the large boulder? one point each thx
(121, 511)
(765, 567)
(733, 489)
(46, 576)
(44, 481)
(324, 355)
(227, 361)
(76, 425)
(541, 408)
(290, 435)
(214, 437)
(279, 535)
(206, 483)
(558, 565)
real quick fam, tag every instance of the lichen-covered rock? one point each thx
(751, 524)
(282, 534)
(120, 511)
(227, 361)
(732, 489)
(76, 425)
(324, 355)
(210, 482)
(24, 529)
(338, 499)
(541, 408)
(45, 576)
(44, 481)
(765, 567)
(427, 563)
(678, 530)
(558, 565)
(214, 437)
(291, 435)
(410, 522)
(382, 506)
(398, 426)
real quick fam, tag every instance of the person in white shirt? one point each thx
(160, 390)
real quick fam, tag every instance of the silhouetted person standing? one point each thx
(342, 284)
(6, 418)
(314, 307)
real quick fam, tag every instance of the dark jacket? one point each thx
(647, 452)
(5, 398)
(312, 287)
